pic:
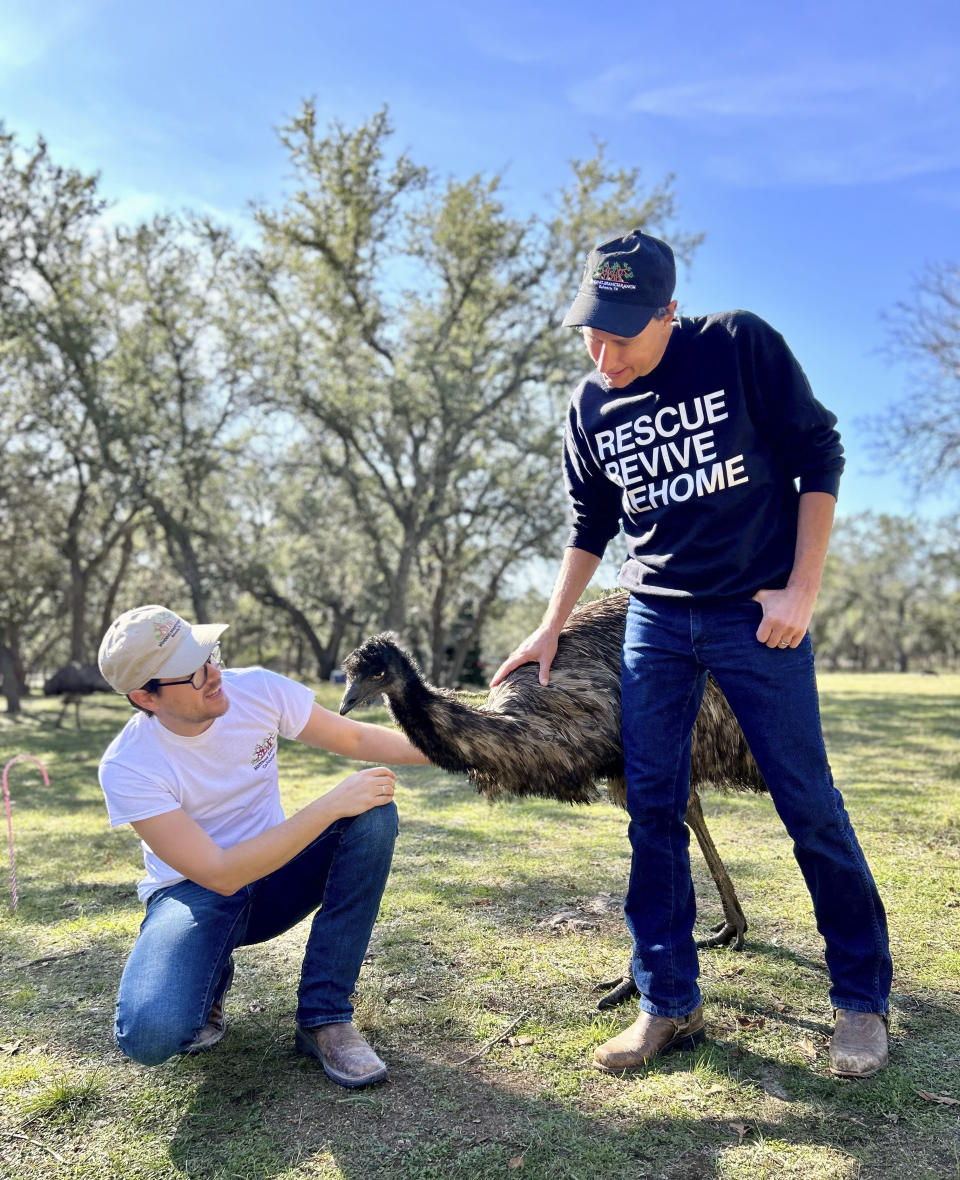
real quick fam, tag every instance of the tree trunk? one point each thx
(9, 681)
(110, 600)
(325, 655)
(184, 557)
(334, 643)
(437, 636)
(472, 634)
(77, 590)
(395, 618)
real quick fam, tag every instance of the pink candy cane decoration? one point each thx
(6, 798)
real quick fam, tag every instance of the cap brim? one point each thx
(192, 652)
(607, 315)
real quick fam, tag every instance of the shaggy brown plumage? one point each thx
(558, 741)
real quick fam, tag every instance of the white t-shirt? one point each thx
(225, 778)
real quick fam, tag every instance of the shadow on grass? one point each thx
(426, 1121)
(426, 846)
(63, 1000)
(258, 1111)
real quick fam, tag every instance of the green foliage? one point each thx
(891, 595)
(350, 423)
(414, 329)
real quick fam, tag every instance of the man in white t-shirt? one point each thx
(194, 772)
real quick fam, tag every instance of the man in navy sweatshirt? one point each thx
(701, 436)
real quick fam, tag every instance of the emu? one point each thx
(73, 682)
(561, 740)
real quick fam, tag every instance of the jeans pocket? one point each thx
(744, 612)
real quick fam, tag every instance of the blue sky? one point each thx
(817, 145)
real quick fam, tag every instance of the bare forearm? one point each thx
(576, 570)
(184, 845)
(379, 744)
(787, 612)
(234, 867)
(814, 525)
(358, 739)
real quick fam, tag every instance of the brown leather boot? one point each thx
(858, 1048)
(212, 1032)
(346, 1057)
(649, 1037)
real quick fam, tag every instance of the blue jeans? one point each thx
(181, 963)
(668, 649)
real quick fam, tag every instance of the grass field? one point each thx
(497, 920)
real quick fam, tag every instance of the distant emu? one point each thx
(561, 740)
(73, 682)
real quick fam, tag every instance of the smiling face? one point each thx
(622, 359)
(183, 709)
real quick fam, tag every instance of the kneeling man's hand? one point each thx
(372, 787)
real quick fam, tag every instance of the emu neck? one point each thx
(453, 735)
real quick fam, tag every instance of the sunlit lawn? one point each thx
(471, 944)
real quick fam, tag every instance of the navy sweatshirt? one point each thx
(699, 459)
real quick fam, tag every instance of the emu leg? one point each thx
(621, 990)
(732, 929)
(734, 925)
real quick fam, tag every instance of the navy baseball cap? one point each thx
(625, 282)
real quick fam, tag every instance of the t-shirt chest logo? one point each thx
(264, 751)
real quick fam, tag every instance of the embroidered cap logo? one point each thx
(164, 627)
(614, 272)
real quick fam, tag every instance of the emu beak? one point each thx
(351, 698)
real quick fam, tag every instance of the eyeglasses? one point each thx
(199, 678)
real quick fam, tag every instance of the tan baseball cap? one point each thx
(152, 642)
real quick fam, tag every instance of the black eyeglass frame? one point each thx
(214, 658)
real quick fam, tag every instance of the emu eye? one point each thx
(378, 675)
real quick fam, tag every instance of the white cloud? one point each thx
(848, 156)
(803, 89)
(827, 122)
(940, 194)
(532, 34)
(809, 90)
(131, 208)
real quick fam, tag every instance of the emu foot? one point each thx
(620, 990)
(725, 934)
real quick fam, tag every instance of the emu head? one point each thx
(378, 667)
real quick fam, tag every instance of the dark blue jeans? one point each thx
(182, 960)
(669, 647)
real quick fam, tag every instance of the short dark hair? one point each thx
(152, 686)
